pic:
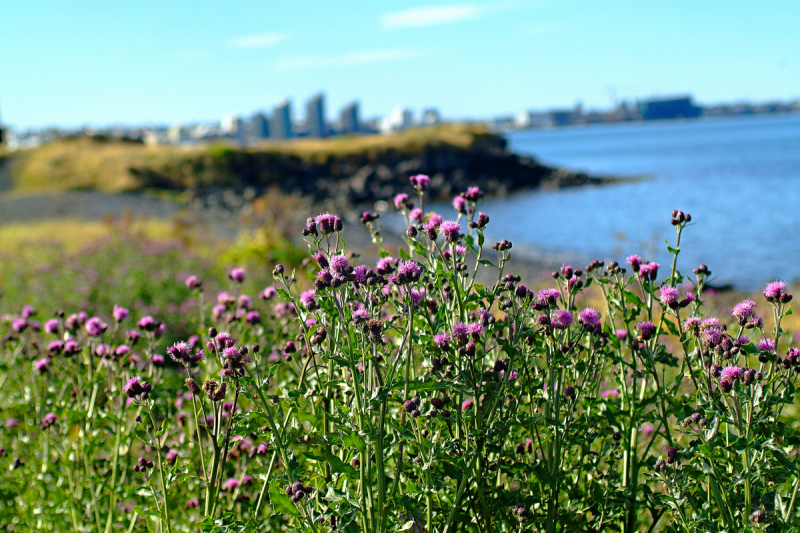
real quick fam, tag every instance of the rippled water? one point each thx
(738, 177)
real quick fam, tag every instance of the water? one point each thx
(738, 177)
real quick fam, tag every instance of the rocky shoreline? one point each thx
(349, 182)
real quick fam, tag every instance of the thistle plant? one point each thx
(433, 391)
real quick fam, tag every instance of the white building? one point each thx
(398, 120)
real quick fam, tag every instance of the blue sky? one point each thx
(81, 62)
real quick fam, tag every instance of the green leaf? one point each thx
(487, 263)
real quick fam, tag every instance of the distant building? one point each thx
(431, 116)
(660, 109)
(349, 121)
(398, 120)
(315, 116)
(258, 127)
(531, 119)
(281, 124)
(178, 134)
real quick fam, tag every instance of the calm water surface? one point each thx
(739, 178)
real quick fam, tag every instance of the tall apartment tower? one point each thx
(315, 116)
(281, 124)
(349, 120)
(258, 127)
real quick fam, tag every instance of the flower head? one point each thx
(743, 310)
(308, 299)
(766, 345)
(646, 329)
(51, 326)
(450, 229)
(416, 215)
(561, 319)
(732, 372)
(384, 265)
(442, 340)
(669, 297)
(408, 271)
(95, 327)
(329, 223)
(589, 317)
(401, 201)
(120, 313)
(548, 297)
(420, 182)
(460, 333)
(41, 365)
(193, 283)
(339, 266)
(460, 204)
(775, 291)
(237, 275)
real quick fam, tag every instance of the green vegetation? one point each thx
(116, 166)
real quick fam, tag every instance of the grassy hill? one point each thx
(118, 166)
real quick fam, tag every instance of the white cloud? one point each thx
(346, 60)
(428, 16)
(258, 41)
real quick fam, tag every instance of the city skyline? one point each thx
(107, 64)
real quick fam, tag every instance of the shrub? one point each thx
(408, 397)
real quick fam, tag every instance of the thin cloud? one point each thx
(351, 59)
(429, 16)
(261, 40)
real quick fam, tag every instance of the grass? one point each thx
(84, 163)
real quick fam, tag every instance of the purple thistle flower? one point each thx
(28, 311)
(408, 271)
(669, 297)
(649, 271)
(11, 423)
(71, 347)
(416, 215)
(548, 297)
(621, 334)
(417, 296)
(442, 340)
(308, 299)
(589, 317)
(744, 339)
(253, 318)
(635, 261)
(646, 329)
(360, 315)
(147, 323)
(244, 301)
(384, 266)
(361, 272)
(55, 347)
(473, 194)
(120, 313)
(561, 319)
(218, 311)
(231, 484)
(48, 420)
(41, 365)
(766, 345)
(774, 291)
(400, 201)
(732, 373)
(435, 220)
(192, 282)
(711, 337)
(467, 404)
(237, 275)
(460, 333)
(172, 456)
(420, 182)
(268, 293)
(134, 386)
(450, 229)
(711, 322)
(460, 250)
(743, 310)
(475, 330)
(180, 351)
(329, 223)
(95, 327)
(339, 266)
(460, 204)
(51, 326)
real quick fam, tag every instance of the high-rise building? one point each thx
(258, 127)
(349, 121)
(315, 116)
(281, 125)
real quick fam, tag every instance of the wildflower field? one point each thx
(147, 387)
